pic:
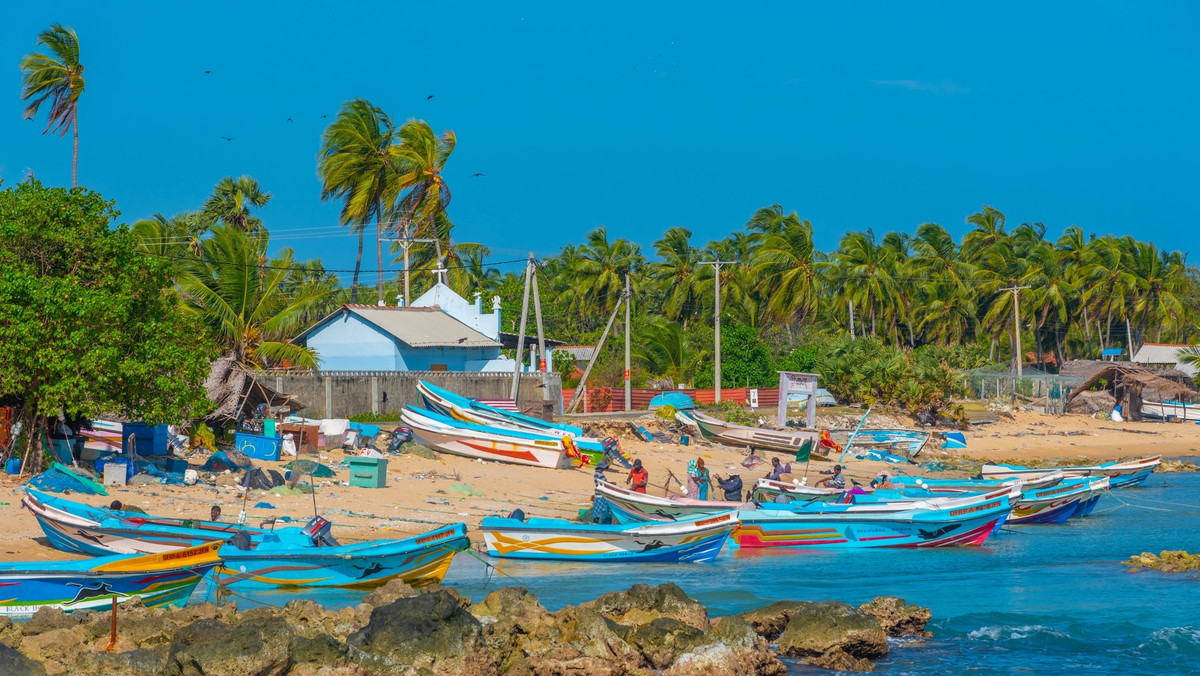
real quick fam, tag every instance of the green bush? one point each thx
(390, 416)
(666, 412)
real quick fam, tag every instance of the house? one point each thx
(1163, 355)
(441, 331)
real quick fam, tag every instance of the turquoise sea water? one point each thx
(1035, 599)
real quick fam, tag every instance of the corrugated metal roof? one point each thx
(1160, 353)
(416, 326)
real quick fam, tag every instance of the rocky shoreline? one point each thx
(1167, 562)
(396, 630)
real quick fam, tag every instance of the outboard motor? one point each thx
(318, 530)
(400, 436)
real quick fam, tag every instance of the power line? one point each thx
(300, 266)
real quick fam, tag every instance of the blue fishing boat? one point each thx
(1120, 474)
(253, 557)
(159, 580)
(686, 541)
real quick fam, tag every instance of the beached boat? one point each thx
(969, 520)
(784, 441)
(1045, 479)
(633, 507)
(292, 556)
(766, 490)
(487, 443)
(696, 540)
(1120, 474)
(1170, 409)
(159, 580)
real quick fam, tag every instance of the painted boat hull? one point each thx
(455, 405)
(718, 430)
(1120, 474)
(1160, 410)
(1055, 504)
(159, 580)
(633, 507)
(507, 446)
(690, 541)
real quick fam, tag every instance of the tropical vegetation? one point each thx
(58, 78)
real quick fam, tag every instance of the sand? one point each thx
(419, 494)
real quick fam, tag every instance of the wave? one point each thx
(1007, 632)
(1176, 640)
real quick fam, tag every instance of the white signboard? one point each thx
(754, 398)
(804, 384)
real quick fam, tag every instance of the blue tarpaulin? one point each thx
(679, 400)
(60, 479)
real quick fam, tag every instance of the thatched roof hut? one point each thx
(1129, 383)
(233, 389)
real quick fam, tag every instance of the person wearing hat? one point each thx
(884, 480)
(838, 480)
(638, 477)
(599, 475)
(601, 512)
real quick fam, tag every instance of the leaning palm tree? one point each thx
(418, 161)
(231, 201)
(57, 76)
(1189, 356)
(355, 167)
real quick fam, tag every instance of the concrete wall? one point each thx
(341, 394)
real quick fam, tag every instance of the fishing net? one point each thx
(55, 480)
(222, 460)
(312, 467)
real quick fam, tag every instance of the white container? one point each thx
(289, 446)
(114, 474)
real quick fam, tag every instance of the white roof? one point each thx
(415, 326)
(1161, 353)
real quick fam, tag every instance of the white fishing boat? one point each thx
(715, 429)
(1120, 474)
(1170, 409)
(487, 443)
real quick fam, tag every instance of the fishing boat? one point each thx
(968, 520)
(634, 507)
(1045, 479)
(253, 557)
(1171, 409)
(1120, 474)
(1098, 487)
(1055, 504)
(164, 579)
(697, 540)
(715, 429)
(767, 490)
(472, 440)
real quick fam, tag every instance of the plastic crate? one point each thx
(175, 465)
(258, 447)
(368, 472)
(147, 439)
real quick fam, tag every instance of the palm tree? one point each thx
(57, 76)
(785, 265)
(1050, 294)
(418, 161)
(989, 230)
(599, 271)
(355, 165)
(1189, 356)
(663, 348)
(244, 299)
(677, 272)
(866, 270)
(231, 201)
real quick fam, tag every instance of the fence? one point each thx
(342, 394)
(612, 399)
(1041, 391)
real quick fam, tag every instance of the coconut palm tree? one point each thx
(989, 230)
(355, 166)
(231, 201)
(677, 274)
(57, 76)
(599, 272)
(866, 274)
(786, 268)
(663, 348)
(421, 191)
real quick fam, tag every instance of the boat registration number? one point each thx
(977, 508)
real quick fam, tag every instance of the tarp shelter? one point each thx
(234, 390)
(1129, 383)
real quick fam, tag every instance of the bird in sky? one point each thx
(289, 119)
(324, 116)
(429, 97)
(227, 138)
(474, 175)
(208, 72)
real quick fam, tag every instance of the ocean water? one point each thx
(1035, 599)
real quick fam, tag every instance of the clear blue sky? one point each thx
(643, 116)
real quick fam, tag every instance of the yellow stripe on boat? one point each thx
(169, 560)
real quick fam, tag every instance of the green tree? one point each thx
(745, 360)
(57, 76)
(419, 160)
(231, 201)
(88, 321)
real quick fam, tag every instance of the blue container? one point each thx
(684, 439)
(115, 461)
(365, 430)
(13, 466)
(148, 439)
(175, 465)
(258, 447)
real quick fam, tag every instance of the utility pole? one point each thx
(521, 335)
(717, 324)
(537, 313)
(628, 390)
(1016, 292)
(592, 362)
(851, 304)
(406, 243)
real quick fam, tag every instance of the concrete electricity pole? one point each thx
(1016, 292)
(717, 324)
(628, 385)
(406, 243)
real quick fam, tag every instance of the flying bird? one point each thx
(474, 175)
(227, 138)
(324, 116)
(208, 72)
(289, 119)
(429, 97)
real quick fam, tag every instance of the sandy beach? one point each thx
(422, 493)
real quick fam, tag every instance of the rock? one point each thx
(839, 660)
(140, 662)
(321, 650)
(642, 604)
(818, 628)
(513, 604)
(1167, 561)
(431, 631)
(13, 663)
(56, 649)
(769, 622)
(574, 640)
(259, 646)
(394, 589)
(897, 616)
(47, 619)
(665, 638)
(732, 648)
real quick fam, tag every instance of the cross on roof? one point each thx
(440, 270)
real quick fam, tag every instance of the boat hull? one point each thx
(763, 528)
(1119, 474)
(691, 541)
(633, 507)
(1162, 410)
(512, 447)
(720, 431)
(1051, 505)
(158, 580)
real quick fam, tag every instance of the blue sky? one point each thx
(643, 116)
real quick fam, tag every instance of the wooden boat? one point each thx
(285, 557)
(969, 520)
(164, 579)
(1120, 474)
(487, 443)
(1164, 409)
(1055, 504)
(784, 441)
(1043, 480)
(633, 507)
(766, 490)
(696, 540)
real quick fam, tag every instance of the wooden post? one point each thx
(521, 336)
(592, 362)
(537, 313)
(112, 641)
(628, 385)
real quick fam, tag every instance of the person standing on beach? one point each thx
(601, 512)
(697, 479)
(638, 477)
